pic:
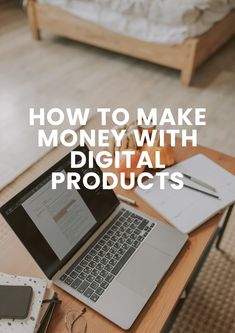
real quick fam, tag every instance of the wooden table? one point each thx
(15, 259)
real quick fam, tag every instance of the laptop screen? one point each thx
(53, 224)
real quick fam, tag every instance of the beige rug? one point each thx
(210, 305)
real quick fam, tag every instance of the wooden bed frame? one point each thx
(185, 57)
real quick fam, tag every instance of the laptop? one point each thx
(106, 254)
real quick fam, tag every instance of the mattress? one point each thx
(159, 21)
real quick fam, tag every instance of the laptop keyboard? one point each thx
(94, 270)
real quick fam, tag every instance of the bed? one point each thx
(180, 35)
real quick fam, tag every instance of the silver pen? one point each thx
(199, 182)
(127, 200)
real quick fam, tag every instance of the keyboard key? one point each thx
(125, 224)
(95, 272)
(104, 284)
(92, 252)
(112, 262)
(92, 264)
(76, 283)
(94, 285)
(133, 236)
(87, 270)
(104, 261)
(99, 266)
(63, 277)
(143, 224)
(110, 232)
(109, 243)
(68, 280)
(108, 255)
(73, 274)
(106, 237)
(94, 297)
(117, 256)
(99, 291)
(90, 278)
(117, 245)
(105, 248)
(101, 253)
(99, 279)
(113, 250)
(82, 276)
(137, 222)
(129, 241)
(121, 240)
(122, 262)
(127, 213)
(109, 278)
(125, 246)
(83, 286)
(101, 242)
(114, 238)
(121, 251)
(140, 238)
(83, 263)
(88, 258)
(97, 247)
(88, 292)
(136, 244)
(108, 267)
(103, 273)
(78, 269)
(96, 259)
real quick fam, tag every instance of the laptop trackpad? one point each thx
(145, 270)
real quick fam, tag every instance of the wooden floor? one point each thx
(60, 72)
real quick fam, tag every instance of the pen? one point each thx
(199, 182)
(196, 189)
(127, 200)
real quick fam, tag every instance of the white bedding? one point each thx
(160, 21)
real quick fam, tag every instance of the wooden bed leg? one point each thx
(33, 20)
(189, 66)
(186, 76)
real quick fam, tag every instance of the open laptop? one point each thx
(106, 254)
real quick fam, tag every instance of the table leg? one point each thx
(223, 227)
(219, 235)
(172, 318)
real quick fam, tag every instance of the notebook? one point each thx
(27, 325)
(187, 209)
